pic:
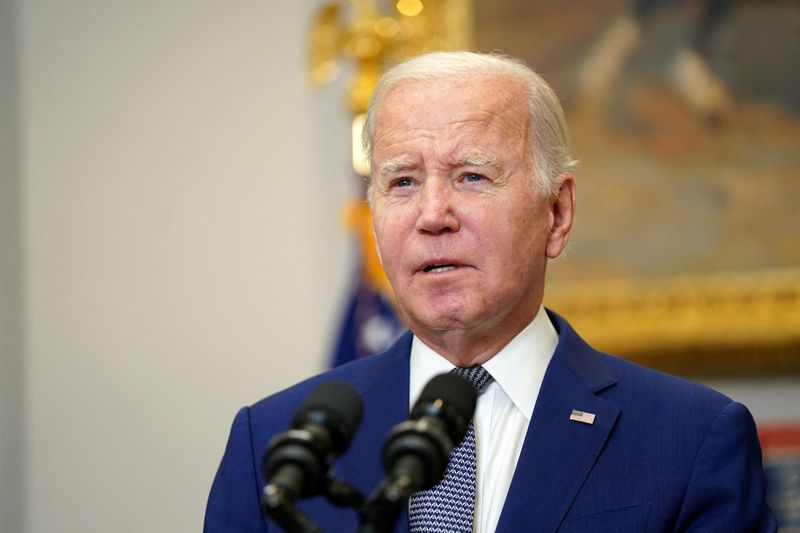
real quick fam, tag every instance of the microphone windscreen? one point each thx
(454, 392)
(335, 405)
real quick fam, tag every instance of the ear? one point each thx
(562, 210)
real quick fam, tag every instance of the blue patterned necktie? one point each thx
(449, 507)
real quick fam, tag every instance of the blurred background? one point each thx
(173, 244)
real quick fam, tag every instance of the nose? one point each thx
(436, 208)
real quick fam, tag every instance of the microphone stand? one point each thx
(277, 503)
(383, 510)
(387, 502)
(341, 494)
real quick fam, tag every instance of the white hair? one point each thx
(549, 142)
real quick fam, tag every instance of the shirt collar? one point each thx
(518, 368)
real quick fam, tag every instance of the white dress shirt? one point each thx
(504, 409)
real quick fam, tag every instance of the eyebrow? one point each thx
(477, 159)
(393, 165)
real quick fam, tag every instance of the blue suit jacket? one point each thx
(663, 454)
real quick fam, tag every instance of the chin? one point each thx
(443, 319)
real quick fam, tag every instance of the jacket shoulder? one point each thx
(274, 412)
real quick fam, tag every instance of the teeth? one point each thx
(439, 268)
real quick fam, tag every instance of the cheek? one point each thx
(383, 247)
(393, 223)
(389, 244)
(380, 226)
(524, 247)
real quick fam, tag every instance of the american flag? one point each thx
(581, 416)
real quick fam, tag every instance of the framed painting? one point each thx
(685, 117)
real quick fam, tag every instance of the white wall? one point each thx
(11, 428)
(183, 253)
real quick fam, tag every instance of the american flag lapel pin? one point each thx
(582, 416)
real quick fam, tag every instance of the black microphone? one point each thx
(297, 461)
(417, 450)
(420, 447)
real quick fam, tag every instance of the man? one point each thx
(471, 194)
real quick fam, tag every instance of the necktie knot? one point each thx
(477, 375)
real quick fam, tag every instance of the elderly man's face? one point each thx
(462, 234)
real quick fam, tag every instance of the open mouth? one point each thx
(439, 268)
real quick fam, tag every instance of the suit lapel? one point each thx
(558, 453)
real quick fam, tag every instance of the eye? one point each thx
(473, 177)
(402, 182)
